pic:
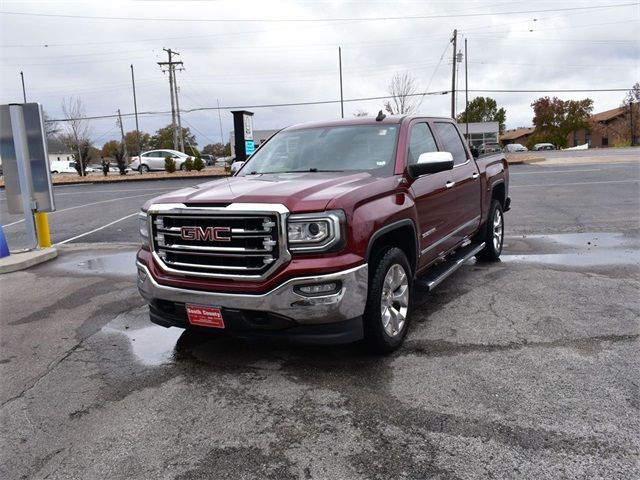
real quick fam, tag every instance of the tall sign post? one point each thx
(25, 163)
(243, 134)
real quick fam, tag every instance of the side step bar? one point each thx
(453, 262)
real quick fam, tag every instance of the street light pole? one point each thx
(341, 97)
(135, 109)
(24, 94)
(633, 143)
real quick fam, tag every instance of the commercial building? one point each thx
(608, 129)
(480, 132)
(516, 135)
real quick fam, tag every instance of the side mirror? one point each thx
(431, 162)
(474, 152)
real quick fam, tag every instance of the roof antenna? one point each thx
(381, 116)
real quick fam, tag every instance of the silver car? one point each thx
(154, 160)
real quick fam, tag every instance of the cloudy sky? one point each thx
(264, 53)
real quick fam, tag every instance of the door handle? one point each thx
(450, 184)
(475, 175)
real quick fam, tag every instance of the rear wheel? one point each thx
(144, 168)
(493, 234)
(388, 309)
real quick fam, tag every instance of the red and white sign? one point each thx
(205, 316)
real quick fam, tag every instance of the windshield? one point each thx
(327, 149)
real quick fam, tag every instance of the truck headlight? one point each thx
(311, 232)
(143, 228)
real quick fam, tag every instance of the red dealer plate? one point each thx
(205, 316)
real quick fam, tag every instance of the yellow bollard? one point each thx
(42, 226)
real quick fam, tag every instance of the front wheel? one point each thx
(492, 234)
(144, 168)
(388, 309)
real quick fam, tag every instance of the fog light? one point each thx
(317, 289)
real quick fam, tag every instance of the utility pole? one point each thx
(171, 68)
(341, 97)
(454, 40)
(633, 143)
(124, 144)
(180, 137)
(466, 91)
(135, 109)
(24, 94)
(220, 121)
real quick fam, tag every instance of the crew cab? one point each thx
(324, 233)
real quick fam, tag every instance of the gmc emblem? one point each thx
(208, 233)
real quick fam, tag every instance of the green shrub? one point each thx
(198, 164)
(622, 143)
(169, 165)
(188, 164)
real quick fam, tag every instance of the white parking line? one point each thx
(115, 191)
(557, 171)
(96, 229)
(575, 183)
(85, 205)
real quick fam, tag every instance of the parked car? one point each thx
(515, 147)
(543, 146)
(154, 160)
(209, 160)
(323, 234)
(489, 147)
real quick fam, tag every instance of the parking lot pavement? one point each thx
(526, 368)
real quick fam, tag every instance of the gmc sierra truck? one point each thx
(324, 233)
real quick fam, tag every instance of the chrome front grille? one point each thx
(216, 243)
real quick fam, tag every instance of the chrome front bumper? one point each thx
(346, 304)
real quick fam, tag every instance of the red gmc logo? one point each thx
(209, 233)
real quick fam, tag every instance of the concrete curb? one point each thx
(24, 260)
(124, 178)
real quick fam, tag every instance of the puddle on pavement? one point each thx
(123, 263)
(574, 249)
(152, 345)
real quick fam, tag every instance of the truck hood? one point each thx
(299, 192)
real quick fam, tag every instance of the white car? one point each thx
(515, 147)
(62, 166)
(154, 160)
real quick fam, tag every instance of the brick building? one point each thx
(517, 135)
(608, 129)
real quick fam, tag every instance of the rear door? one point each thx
(432, 198)
(465, 190)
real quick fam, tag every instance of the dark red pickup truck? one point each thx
(324, 233)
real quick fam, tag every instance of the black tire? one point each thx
(492, 234)
(182, 167)
(376, 332)
(144, 168)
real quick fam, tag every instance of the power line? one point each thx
(317, 20)
(328, 102)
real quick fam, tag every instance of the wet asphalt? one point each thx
(526, 368)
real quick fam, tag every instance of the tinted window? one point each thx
(348, 148)
(420, 141)
(451, 141)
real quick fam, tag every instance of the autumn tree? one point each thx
(76, 133)
(163, 138)
(135, 141)
(484, 109)
(403, 91)
(554, 119)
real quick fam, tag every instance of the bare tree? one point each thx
(402, 89)
(77, 131)
(51, 127)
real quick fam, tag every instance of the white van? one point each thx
(62, 166)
